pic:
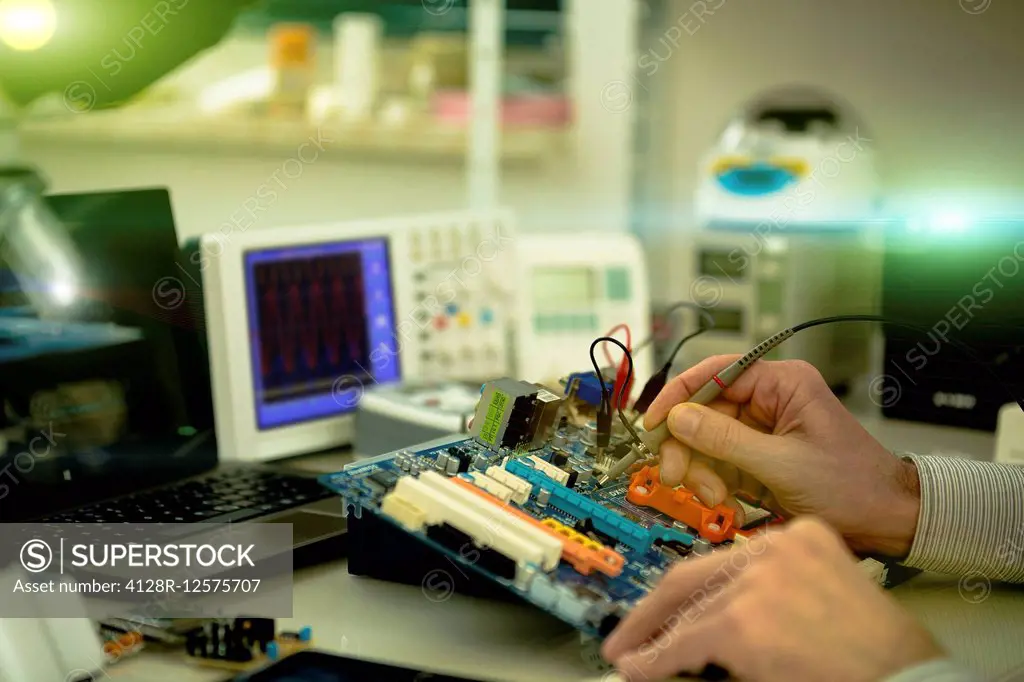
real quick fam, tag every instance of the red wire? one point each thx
(620, 374)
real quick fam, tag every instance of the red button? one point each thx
(440, 322)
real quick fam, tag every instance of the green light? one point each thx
(187, 431)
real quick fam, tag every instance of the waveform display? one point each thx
(311, 324)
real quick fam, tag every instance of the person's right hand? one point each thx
(781, 436)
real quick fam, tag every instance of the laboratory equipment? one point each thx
(786, 208)
(570, 290)
(304, 319)
(394, 416)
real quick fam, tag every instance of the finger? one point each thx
(720, 437)
(729, 474)
(705, 482)
(683, 386)
(683, 586)
(685, 648)
(750, 487)
(674, 460)
(739, 518)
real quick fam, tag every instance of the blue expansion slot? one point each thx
(605, 521)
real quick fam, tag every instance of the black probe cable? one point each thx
(658, 380)
(604, 425)
(650, 442)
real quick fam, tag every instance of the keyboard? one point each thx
(218, 497)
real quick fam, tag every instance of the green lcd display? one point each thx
(563, 287)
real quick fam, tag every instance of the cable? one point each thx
(622, 380)
(658, 380)
(606, 399)
(961, 346)
(709, 321)
(651, 441)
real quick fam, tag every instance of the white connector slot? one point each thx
(549, 470)
(492, 528)
(520, 489)
(499, 518)
(407, 514)
(488, 484)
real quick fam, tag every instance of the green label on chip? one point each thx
(489, 432)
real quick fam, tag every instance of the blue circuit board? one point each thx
(649, 542)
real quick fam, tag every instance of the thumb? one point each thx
(722, 437)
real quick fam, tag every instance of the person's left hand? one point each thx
(791, 604)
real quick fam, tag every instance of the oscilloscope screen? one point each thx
(316, 314)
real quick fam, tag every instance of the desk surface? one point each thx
(485, 640)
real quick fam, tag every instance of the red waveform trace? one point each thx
(311, 314)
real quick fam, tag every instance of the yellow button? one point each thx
(463, 319)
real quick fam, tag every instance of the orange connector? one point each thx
(578, 550)
(714, 525)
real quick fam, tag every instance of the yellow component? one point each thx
(727, 163)
(463, 319)
(797, 167)
(572, 534)
(404, 512)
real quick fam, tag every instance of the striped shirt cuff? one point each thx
(971, 521)
(936, 671)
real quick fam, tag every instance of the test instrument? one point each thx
(303, 320)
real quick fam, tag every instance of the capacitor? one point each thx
(558, 441)
(542, 497)
(584, 477)
(480, 462)
(403, 463)
(701, 547)
(452, 466)
(414, 468)
(442, 461)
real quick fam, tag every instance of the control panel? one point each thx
(455, 320)
(572, 291)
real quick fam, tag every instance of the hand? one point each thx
(780, 436)
(791, 605)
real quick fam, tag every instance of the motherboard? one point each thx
(519, 502)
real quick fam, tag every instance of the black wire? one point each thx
(606, 400)
(701, 310)
(963, 347)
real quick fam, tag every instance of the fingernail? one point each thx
(707, 496)
(683, 420)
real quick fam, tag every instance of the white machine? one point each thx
(785, 211)
(571, 290)
(752, 293)
(1010, 435)
(793, 159)
(302, 320)
(395, 416)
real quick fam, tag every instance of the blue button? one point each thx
(486, 316)
(273, 653)
(451, 308)
(306, 634)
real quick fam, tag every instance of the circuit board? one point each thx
(519, 503)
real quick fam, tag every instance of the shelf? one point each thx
(410, 142)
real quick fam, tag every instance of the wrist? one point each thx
(895, 522)
(906, 507)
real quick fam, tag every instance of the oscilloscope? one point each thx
(302, 320)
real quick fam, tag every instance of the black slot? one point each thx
(456, 541)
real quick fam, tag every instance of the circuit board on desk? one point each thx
(519, 503)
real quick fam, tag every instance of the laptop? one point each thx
(108, 417)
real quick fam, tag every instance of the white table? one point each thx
(491, 641)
